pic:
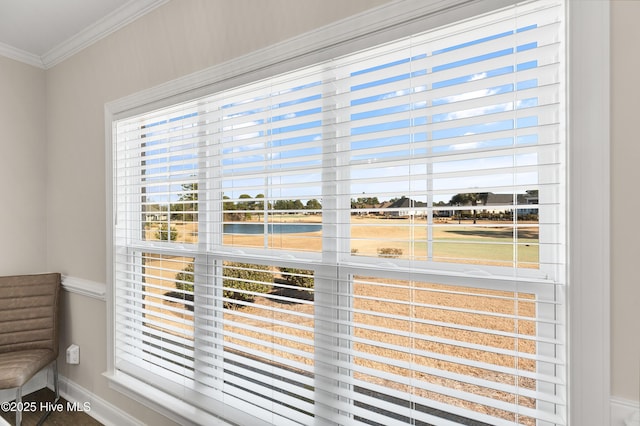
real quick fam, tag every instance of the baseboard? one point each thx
(101, 410)
(624, 412)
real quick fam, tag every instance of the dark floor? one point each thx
(69, 415)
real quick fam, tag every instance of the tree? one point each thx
(365, 202)
(259, 205)
(469, 198)
(228, 205)
(189, 192)
(297, 205)
(187, 202)
(228, 208)
(313, 205)
(533, 193)
(246, 205)
(288, 205)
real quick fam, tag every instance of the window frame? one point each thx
(587, 253)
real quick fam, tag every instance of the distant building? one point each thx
(404, 208)
(492, 204)
(504, 202)
(155, 213)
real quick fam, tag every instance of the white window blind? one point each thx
(375, 239)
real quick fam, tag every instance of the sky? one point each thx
(405, 126)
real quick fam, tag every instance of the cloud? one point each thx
(468, 95)
(475, 94)
(465, 146)
(478, 76)
(474, 112)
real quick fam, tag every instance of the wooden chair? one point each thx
(28, 331)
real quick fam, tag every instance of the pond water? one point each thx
(274, 228)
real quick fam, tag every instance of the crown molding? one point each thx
(107, 25)
(20, 55)
(111, 23)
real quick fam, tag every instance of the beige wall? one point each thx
(22, 168)
(64, 163)
(625, 205)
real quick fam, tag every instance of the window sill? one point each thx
(174, 408)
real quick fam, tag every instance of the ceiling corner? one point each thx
(100, 29)
(21, 56)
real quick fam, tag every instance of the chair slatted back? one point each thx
(29, 312)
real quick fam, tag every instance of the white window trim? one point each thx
(589, 173)
(589, 206)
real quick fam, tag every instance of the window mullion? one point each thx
(207, 307)
(330, 307)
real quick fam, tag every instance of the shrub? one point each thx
(184, 279)
(390, 252)
(240, 276)
(245, 277)
(167, 234)
(298, 277)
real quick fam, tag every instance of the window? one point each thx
(377, 238)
